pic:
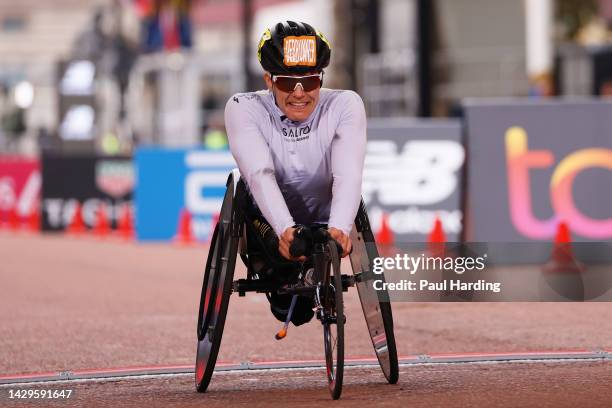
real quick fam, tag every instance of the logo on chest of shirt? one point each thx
(296, 134)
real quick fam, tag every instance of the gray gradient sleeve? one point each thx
(347, 157)
(252, 154)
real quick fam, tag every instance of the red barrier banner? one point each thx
(20, 185)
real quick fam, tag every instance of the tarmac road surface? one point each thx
(582, 384)
(71, 304)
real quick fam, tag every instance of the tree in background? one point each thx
(573, 15)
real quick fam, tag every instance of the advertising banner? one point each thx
(534, 165)
(88, 181)
(412, 174)
(170, 180)
(20, 183)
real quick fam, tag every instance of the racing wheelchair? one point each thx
(231, 236)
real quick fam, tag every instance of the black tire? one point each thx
(379, 319)
(377, 312)
(333, 331)
(390, 370)
(216, 291)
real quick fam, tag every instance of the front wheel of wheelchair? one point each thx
(216, 291)
(333, 324)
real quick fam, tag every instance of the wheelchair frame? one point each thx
(229, 238)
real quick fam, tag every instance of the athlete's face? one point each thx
(296, 104)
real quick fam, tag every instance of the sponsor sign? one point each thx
(535, 164)
(412, 174)
(20, 183)
(300, 50)
(86, 180)
(170, 180)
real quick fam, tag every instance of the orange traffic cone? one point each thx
(13, 219)
(125, 226)
(183, 232)
(34, 221)
(562, 259)
(563, 273)
(436, 240)
(102, 225)
(384, 236)
(77, 225)
(437, 234)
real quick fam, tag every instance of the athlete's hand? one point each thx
(284, 243)
(342, 239)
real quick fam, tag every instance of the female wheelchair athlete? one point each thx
(233, 233)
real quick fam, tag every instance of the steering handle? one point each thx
(304, 238)
(302, 241)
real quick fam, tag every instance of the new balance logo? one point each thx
(423, 173)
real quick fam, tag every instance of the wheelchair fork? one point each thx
(319, 259)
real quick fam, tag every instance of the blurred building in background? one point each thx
(34, 35)
(107, 75)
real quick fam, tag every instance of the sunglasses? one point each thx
(290, 83)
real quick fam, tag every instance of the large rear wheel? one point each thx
(216, 291)
(375, 304)
(379, 319)
(387, 358)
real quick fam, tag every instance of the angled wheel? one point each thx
(375, 305)
(216, 291)
(333, 323)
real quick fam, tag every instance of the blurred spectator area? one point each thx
(174, 99)
(169, 96)
(33, 34)
(149, 88)
(477, 49)
(584, 50)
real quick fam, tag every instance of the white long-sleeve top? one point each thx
(300, 172)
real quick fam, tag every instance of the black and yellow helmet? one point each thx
(293, 48)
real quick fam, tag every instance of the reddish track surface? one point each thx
(71, 304)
